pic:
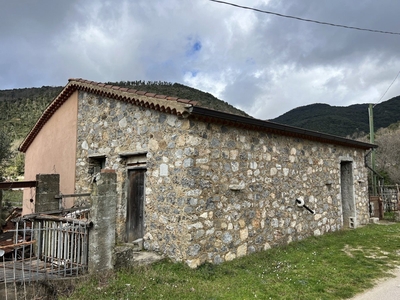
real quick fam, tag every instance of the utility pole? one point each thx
(372, 140)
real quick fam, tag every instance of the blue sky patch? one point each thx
(195, 47)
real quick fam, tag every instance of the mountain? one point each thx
(350, 121)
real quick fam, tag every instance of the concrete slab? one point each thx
(388, 289)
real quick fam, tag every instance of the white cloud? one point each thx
(263, 64)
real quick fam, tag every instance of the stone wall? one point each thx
(214, 193)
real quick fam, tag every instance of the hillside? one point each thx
(351, 120)
(20, 108)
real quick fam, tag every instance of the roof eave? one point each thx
(267, 126)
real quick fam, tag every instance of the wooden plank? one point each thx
(72, 195)
(18, 245)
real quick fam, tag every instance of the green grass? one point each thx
(333, 266)
(389, 215)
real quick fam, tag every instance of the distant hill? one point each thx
(182, 91)
(21, 108)
(350, 121)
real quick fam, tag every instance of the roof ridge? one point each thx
(134, 91)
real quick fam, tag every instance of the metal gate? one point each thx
(390, 197)
(45, 247)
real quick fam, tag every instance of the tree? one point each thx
(388, 153)
(15, 166)
(5, 151)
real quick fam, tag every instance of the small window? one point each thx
(96, 164)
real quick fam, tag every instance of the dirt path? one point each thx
(385, 289)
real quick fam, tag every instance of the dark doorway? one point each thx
(346, 185)
(134, 205)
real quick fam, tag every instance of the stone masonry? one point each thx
(214, 192)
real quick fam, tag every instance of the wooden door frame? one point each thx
(132, 217)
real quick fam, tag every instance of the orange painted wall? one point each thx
(54, 151)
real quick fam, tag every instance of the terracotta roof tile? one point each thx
(183, 100)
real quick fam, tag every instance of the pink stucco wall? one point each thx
(54, 151)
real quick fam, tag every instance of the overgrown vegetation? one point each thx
(11, 199)
(388, 153)
(5, 152)
(332, 266)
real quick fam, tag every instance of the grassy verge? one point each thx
(333, 266)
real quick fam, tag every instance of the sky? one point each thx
(261, 63)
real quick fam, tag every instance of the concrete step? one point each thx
(127, 255)
(138, 244)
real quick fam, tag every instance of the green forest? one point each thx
(20, 108)
(347, 121)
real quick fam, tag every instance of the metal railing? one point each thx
(46, 247)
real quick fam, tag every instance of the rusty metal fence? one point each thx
(390, 197)
(44, 247)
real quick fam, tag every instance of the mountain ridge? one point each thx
(347, 121)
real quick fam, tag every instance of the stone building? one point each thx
(196, 184)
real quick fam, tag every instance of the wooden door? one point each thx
(134, 205)
(347, 193)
